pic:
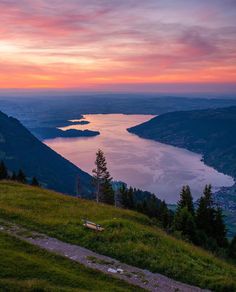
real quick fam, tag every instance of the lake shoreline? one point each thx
(156, 167)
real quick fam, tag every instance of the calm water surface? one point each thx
(142, 163)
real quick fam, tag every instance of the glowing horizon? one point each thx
(109, 45)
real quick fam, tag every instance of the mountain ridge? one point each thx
(19, 149)
(210, 132)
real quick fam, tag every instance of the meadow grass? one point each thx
(24, 267)
(129, 236)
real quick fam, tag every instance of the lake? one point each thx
(149, 165)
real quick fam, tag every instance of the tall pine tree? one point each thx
(184, 219)
(209, 219)
(186, 200)
(219, 229)
(165, 215)
(184, 222)
(205, 212)
(98, 173)
(102, 180)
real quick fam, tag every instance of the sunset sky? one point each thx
(118, 44)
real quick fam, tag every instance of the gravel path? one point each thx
(142, 278)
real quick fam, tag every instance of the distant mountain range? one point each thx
(20, 149)
(45, 112)
(211, 132)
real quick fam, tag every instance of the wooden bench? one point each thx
(92, 225)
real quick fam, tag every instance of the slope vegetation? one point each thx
(129, 236)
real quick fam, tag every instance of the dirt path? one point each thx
(142, 278)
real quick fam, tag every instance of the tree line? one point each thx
(19, 176)
(201, 223)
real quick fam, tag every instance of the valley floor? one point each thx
(132, 275)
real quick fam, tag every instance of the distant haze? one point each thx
(20, 94)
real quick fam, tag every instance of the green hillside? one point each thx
(210, 132)
(129, 236)
(20, 149)
(24, 267)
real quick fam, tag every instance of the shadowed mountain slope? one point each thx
(20, 149)
(211, 132)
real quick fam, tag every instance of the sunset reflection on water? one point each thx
(142, 163)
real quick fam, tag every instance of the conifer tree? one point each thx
(21, 177)
(205, 212)
(219, 229)
(124, 196)
(184, 222)
(184, 218)
(3, 171)
(108, 194)
(207, 193)
(186, 200)
(143, 207)
(34, 182)
(152, 207)
(210, 219)
(102, 180)
(98, 173)
(165, 215)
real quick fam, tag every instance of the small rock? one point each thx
(110, 270)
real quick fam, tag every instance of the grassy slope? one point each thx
(128, 236)
(24, 267)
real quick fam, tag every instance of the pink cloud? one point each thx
(100, 40)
